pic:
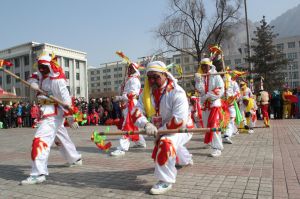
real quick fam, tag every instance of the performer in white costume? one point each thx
(211, 89)
(130, 93)
(165, 103)
(232, 93)
(50, 78)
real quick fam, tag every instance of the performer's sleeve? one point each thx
(33, 78)
(199, 85)
(60, 87)
(138, 114)
(218, 91)
(236, 89)
(133, 86)
(180, 112)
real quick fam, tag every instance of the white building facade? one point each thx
(24, 56)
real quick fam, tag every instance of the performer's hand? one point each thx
(71, 122)
(150, 129)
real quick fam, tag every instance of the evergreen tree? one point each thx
(267, 59)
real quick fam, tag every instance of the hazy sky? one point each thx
(100, 27)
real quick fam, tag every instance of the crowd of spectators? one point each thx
(104, 111)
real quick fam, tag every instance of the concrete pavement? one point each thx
(263, 165)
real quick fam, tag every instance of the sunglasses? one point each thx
(154, 77)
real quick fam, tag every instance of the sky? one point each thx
(101, 27)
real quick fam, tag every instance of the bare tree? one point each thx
(189, 28)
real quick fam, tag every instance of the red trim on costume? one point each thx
(129, 124)
(212, 122)
(173, 124)
(197, 107)
(52, 114)
(37, 147)
(163, 151)
(206, 83)
(216, 90)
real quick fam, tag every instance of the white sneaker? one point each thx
(227, 140)
(117, 153)
(74, 164)
(33, 180)
(216, 153)
(250, 131)
(160, 188)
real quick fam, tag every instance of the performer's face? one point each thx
(156, 79)
(246, 102)
(131, 70)
(44, 69)
(205, 68)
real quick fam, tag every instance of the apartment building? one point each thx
(24, 57)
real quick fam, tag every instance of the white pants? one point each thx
(231, 126)
(217, 137)
(125, 143)
(168, 171)
(49, 128)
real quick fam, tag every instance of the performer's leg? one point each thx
(67, 148)
(183, 155)
(141, 142)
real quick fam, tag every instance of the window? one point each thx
(67, 62)
(18, 74)
(92, 72)
(77, 64)
(26, 75)
(186, 59)
(291, 45)
(292, 56)
(187, 68)
(92, 78)
(98, 72)
(168, 62)
(115, 69)
(78, 90)
(0, 80)
(177, 61)
(227, 62)
(116, 82)
(26, 60)
(17, 62)
(294, 65)
(8, 79)
(280, 47)
(116, 75)
(237, 61)
(67, 74)
(120, 75)
(295, 75)
(120, 68)
(77, 76)
(18, 91)
(98, 78)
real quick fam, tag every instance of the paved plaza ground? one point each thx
(263, 165)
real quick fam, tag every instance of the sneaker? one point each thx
(74, 164)
(33, 180)
(160, 188)
(216, 153)
(117, 153)
(250, 131)
(190, 163)
(227, 140)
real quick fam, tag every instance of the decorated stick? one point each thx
(256, 127)
(7, 63)
(168, 131)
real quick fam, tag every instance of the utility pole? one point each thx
(248, 46)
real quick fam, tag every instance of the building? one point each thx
(289, 46)
(24, 57)
(106, 80)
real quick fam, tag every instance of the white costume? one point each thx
(130, 93)
(232, 92)
(171, 112)
(211, 89)
(52, 119)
